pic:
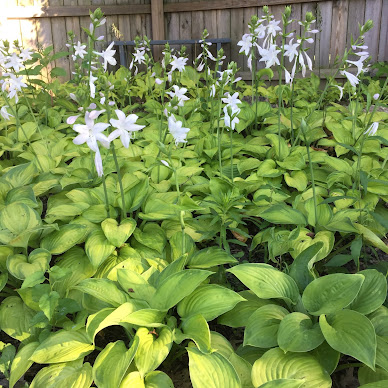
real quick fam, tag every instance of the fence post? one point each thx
(157, 18)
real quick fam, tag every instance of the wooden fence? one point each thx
(47, 22)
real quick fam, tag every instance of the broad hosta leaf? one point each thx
(103, 289)
(98, 248)
(371, 237)
(382, 352)
(112, 363)
(351, 333)
(20, 175)
(267, 282)
(327, 357)
(263, 325)
(21, 363)
(210, 257)
(283, 383)
(372, 293)
(20, 266)
(298, 334)
(135, 284)
(284, 215)
(209, 300)
(239, 315)
(63, 346)
(15, 318)
(331, 293)
(151, 236)
(158, 379)
(65, 238)
(117, 234)
(133, 380)
(195, 328)
(377, 384)
(176, 286)
(211, 370)
(69, 375)
(276, 365)
(153, 348)
(367, 375)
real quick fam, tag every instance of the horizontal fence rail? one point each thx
(46, 22)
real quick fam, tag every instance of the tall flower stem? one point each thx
(106, 196)
(303, 127)
(219, 135)
(119, 177)
(231, 153)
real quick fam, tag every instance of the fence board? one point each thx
(383, 47)
(373, 11)
(338, 29)
(356, 15)
(185, 30)
(236, 32)
(310, 7)
(223, 29)
(28, 28)
(326, 11)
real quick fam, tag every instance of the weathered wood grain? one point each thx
(373, 11)
(338, 29)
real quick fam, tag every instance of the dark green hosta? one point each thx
(306, 333)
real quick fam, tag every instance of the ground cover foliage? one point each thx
(213, 206)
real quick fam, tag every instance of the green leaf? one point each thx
(210, 257)
(297, 179)
(277, 141)
(284, 215)
(267, 282)
(195, 328)
(371, 237)
(21, 363)
(297, 333)
(65, 238)
(63, 346)
(367, 375)
(69, 375)
(158, 379)
(263, 325)
(372, 293)
(275, 365)
(135, 284)
(176, 286)
(58, 72)
(239, 315)
(103, 289)
(382, 352)
(20, 175)
(283, 383)
(152, 236)
(299, 269)
(377, 384)
(327, 357)
(98, 248)
(117, 234)
(15, 318)
(48, 304)
(112, 363)
(209, 300)
(153, 348)
(20, 266)
(211, 370)
(351, 333)
(331, 293)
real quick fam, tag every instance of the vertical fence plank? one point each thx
(236, 32)
(172, 27)
(338, 29)
(373, 10)
(383, 46)
(28, 28)
(58, 29)
(325, 11)
(356, 15)
(310, 7)
(100, 45)
(223, 31)
(110, 21)
(197, 27)
(185, 30)
(12, 28)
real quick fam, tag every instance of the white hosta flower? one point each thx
(200, 67)
(139, 57)
(341, 89)
(310, 40)
(372, 130)
(231, 119)
(79, 49)
(249, 62)
(178, 63)
(269, 56)
(260, 31)
(231, 100)
(92, 80)
(15, 84)
(359, 64)
(288, 76)
(245, 43)
(176, 129)
(180, 94)
(354, 81)
(3, 111)
(290, 50)
(25, 54)
(164, 162)
(212, 90)
(108, 56)
(100, 38)
(125, 126)
(15, 62)
(158, 81)
(309, 62)
(302, 64)
(376, 96)
(90, 134)
(72, 119)
(273, 27)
